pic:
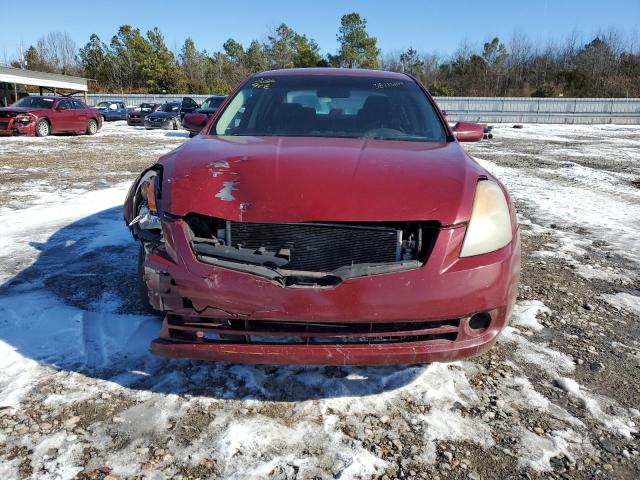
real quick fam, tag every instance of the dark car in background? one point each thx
(194, 122)
(137, 115)
(167, 116)
(112, 111)
(41, 115)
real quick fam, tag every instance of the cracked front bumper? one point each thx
(9, 127)
(446, 291)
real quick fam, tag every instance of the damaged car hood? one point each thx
(18, 110)
(297, 179)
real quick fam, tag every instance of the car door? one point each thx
(82, 116)
(122, 111)
(62, 118)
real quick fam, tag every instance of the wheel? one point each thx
(143, 291)
(92, 127)
(43, 128)
(176, 125)
(103, 119)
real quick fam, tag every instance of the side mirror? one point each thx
(194, 122)
(468, 131)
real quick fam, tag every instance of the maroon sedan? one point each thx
(40, 116)
(326, 217)
(137, 116)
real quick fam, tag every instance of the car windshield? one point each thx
(170, 107)
(146, 107)
(211, 103)
(34, 102)
(332, 106)
(103, 105)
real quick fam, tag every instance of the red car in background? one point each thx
(137, 116)
(326, 216)
(43, 115)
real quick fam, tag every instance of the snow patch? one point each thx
(525, 314)
(624, 300)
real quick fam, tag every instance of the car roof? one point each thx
(335, 72)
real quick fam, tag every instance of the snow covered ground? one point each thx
(81, 396)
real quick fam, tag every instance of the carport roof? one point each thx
(42, 79)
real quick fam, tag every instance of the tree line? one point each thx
(608, 65)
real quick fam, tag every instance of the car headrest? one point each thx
(375, 106)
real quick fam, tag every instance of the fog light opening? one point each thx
(480, 321)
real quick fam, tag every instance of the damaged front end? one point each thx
(310, 254)
(325, 292)
(17, 123)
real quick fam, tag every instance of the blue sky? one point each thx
(430, 26)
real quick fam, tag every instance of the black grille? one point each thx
(319, 247)
(3, 125)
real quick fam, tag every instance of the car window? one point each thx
(189, 102)
(170, 107)
(34, 102)
(78, 105)
(212, 103)
(66, 104)
(102, 105)
(332, 106)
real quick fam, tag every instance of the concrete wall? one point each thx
(542, 110)
(488, 109)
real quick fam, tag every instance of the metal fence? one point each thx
(486, 109)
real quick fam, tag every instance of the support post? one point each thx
(15, 92)
(86, 99)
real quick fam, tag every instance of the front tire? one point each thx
(92, 127)
(43, 128)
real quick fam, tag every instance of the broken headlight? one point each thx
(490, 226)
(24, 118)
(146, 202)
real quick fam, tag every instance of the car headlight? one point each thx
(490, 226)
(145, 202)
(24, 118)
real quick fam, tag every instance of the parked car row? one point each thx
(168, 115)
(39, 115)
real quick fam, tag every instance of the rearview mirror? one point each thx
(194, 122)
(468, 131)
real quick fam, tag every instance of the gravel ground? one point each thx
(81, 397)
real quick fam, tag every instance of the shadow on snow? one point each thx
(77, 309)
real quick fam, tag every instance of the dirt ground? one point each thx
(81, 397)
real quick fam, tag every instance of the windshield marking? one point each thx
(264, 83)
